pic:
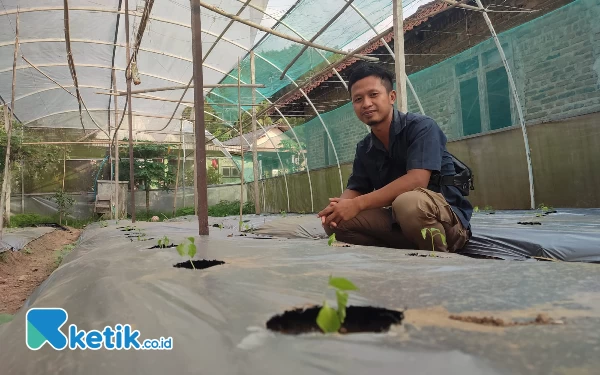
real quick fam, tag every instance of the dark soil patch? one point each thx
(541, 319)
(424, 255)
(162, 247)
(358, 319)
(529, 223)
(52, 225)
(199, 264)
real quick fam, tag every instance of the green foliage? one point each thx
(151, 168)
(29, 220)
(296, 149)
(329, 319)
(62, 253)
(433, 232)
(228, 208)
(331, 240)
(64, 202)
(187, 248)
(163, 242)
(476, 209)
(38, 159)
(213, 177)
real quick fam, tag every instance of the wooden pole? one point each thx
(199, 126)
(241, 145)
(64, 168)
(129, 113)
(254, 138)
(5, 180)
(400, 64)
(116, 142)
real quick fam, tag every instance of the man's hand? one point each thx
(338, 210)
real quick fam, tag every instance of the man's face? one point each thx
(371, 101)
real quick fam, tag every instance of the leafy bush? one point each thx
(30, 220)
(228, 208)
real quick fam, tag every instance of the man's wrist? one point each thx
(360, 202)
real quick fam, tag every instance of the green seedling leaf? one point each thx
(341, 283)
(342, 302)
(181, 249)
(443, 239)
(424, 233)
(191, 239)
(191, 250)
(433, 230)
(328, 319)
(331, 239)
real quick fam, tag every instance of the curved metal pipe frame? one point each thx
(272, 143)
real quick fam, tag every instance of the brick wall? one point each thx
(558, 69)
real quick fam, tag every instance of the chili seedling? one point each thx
(187, 248)
(433, 232)
(329, 319)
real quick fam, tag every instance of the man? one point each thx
(389, 198)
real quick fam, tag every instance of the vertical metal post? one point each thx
(254, 142)
(515, 95)
(129, 112)
(400, 64)
(241, 144)
(116, 141)
(201, 190)
(183, 174)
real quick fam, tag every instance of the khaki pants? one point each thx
(400, 225)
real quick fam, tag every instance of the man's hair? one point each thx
(364, 70)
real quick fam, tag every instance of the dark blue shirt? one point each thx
(416, 142)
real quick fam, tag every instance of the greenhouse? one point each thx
(342, 186)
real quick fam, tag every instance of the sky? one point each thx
(279, 7)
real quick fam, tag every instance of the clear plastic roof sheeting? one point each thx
(164, 58)
(97, 34)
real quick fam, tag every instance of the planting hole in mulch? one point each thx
(163, 247)
(424, 255)
(358, 319)
(529, 223)
(199, 264)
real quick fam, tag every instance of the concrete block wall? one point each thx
(558, 66)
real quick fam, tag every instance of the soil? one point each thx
(21, 272)
(529, 223)
(498, 322)
(424, 255)
(358, 319)
(162, 247)
(199, 264)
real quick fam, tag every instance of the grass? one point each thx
(31, 220)
(5, 318)
(62, 253)
(221, 209)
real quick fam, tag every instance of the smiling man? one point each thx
(403, 178)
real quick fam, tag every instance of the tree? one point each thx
(35, 160)
(151, 167)
(211, 123)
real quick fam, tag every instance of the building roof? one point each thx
(423, 13)
(259, 133)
